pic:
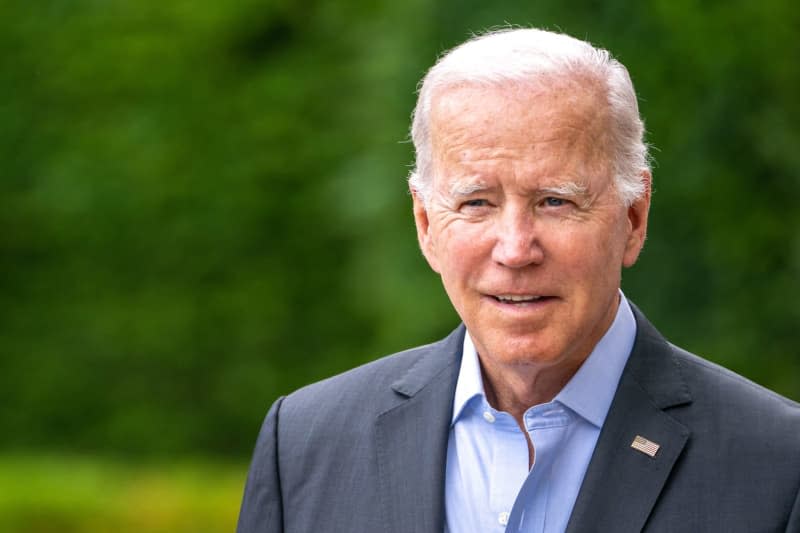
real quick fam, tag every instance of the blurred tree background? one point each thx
(204, 206)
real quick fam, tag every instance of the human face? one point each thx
(524, 224)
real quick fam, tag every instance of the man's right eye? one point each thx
(476, 203)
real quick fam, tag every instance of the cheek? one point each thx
(585, 251)
(460, 248)
(567, 241)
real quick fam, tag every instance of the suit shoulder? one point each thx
(373, 386)
(380, 372)
(721, 384)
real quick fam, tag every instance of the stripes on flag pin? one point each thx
(645, 446)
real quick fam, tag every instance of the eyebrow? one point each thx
(569, 188)
(470, 187)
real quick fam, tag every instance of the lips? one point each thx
(519, 298)
(516, 298)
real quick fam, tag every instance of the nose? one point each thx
(516, 242)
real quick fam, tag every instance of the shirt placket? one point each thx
(509, 467)
(547, 425)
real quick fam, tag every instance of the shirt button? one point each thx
(488, 416)
(503, 518)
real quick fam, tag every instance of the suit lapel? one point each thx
(622, 483)
(411, 440)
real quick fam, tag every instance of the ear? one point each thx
(426, 242)
(637, 221)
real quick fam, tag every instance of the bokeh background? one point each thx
(203, 206)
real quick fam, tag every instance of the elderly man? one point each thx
(556, 406)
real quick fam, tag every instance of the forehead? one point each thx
(563, 120)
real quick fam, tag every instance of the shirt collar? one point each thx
(470, 383)
(589, 392)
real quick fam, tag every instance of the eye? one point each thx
(552, 201)
(478, 202)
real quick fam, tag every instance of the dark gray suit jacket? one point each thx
(365, 451)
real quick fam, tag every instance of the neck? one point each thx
(516, 390)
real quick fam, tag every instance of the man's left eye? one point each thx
(552, 201)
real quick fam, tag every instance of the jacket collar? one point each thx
(618, 474)
(411, 439)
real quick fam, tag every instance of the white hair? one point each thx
(508, 56)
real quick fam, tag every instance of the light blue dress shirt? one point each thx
(488, 487)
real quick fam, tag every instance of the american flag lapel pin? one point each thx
(645, 446)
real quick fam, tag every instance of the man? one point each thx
(556, 406)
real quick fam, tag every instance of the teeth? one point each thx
(515, 298)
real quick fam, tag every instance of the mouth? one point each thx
(520, 299)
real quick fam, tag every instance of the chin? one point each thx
(523, 353)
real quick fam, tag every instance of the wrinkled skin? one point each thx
(523, 205)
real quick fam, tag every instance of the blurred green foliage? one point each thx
(54, 494)
(204, 203)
